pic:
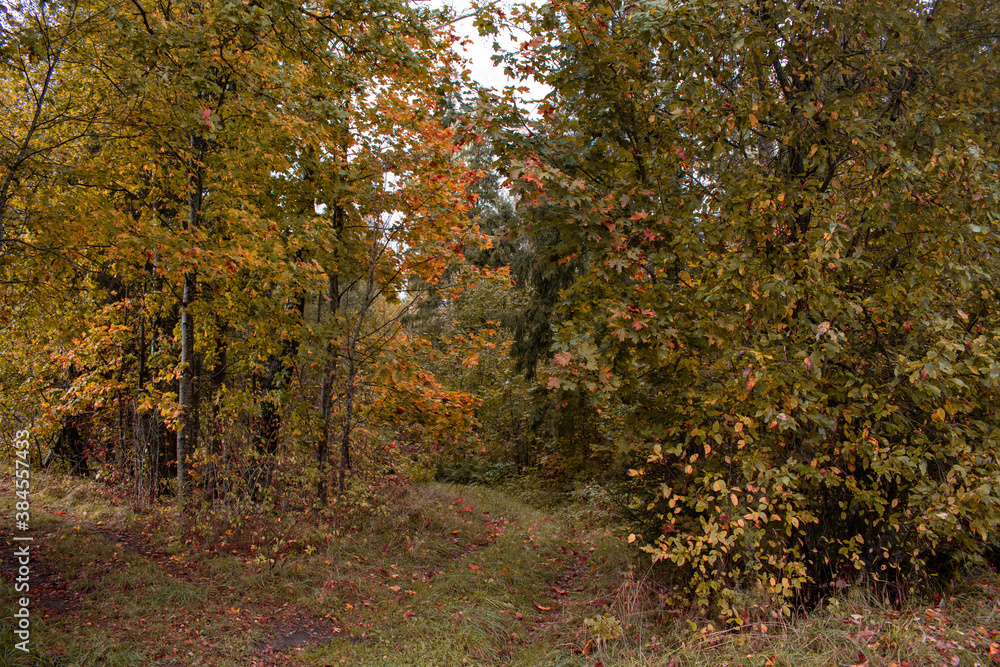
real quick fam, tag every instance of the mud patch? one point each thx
(296, 635)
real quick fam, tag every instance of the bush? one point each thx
(785, 218)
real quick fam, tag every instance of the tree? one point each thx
(786, 217)
(169, 254)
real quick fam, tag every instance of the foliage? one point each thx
(781, 223)
(744, 264)
(219, 218)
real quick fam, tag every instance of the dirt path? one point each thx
(480, 577)
(48, 588)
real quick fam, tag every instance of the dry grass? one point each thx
(424, 575)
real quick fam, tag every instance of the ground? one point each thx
(416, 575)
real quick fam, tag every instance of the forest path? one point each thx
(448, 575)
(511, 585)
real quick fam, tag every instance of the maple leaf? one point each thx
(531, 178)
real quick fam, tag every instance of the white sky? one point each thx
(481, 50)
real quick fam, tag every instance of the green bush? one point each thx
(785, 218)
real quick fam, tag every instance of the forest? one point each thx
(690, 358)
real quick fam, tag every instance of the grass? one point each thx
(422, 575)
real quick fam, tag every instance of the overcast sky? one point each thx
(481, 50)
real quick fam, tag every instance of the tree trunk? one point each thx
(326, 396)
(185, 389)
(215, 437)
(345, 440)
(322, 493)
(185, 398)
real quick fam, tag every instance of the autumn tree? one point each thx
(784, 217)
(175, 245)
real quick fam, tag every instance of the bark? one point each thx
(326, 399)
(345, 440)
(185, 389)
(322, 493)
(215, 439)
(185, 393)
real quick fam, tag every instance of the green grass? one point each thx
(428, 575)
